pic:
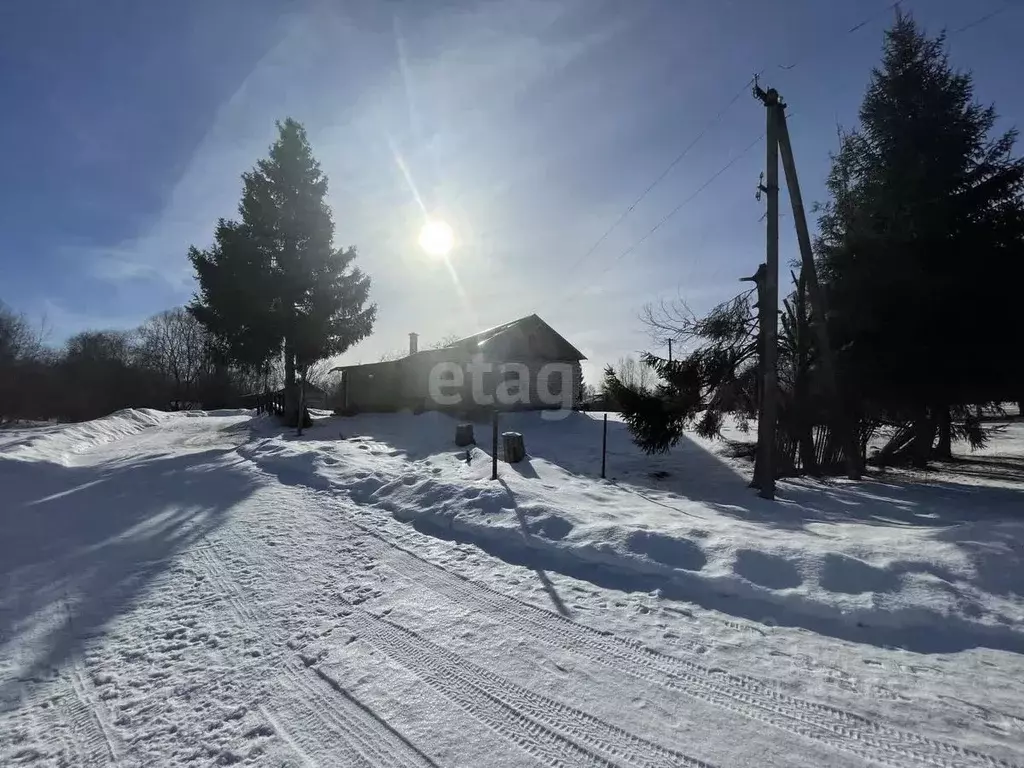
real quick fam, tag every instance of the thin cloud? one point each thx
(210, 185)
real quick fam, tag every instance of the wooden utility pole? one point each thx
(840, 423)
(670, 350)
(769, 300)
(758, 279)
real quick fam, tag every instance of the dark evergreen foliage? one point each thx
(921, 245)
(920, 257)
(273, 282)
(696, 390)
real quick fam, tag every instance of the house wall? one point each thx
(405, 383)
(316, 399)
(372, 387)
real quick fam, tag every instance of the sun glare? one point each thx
(437, 238)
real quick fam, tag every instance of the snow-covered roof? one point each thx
(481, 340)
(530, 322)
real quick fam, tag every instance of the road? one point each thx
(165, 602)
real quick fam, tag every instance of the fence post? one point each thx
(604, 442)
(494, 444)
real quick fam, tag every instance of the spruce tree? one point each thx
(920, 241)
(274, 283)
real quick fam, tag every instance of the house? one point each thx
(523, 365)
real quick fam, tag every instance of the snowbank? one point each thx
(58, 443)
(843, 558)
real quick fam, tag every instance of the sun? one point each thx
(437, 238)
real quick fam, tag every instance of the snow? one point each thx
(893, 560)
(207, 589)
(59, 443)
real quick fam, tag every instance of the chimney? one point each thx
(413, 343)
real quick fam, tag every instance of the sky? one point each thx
(531, 126)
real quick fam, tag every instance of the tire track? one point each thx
(311, 730)
(364, 739)
(541, 742)
(369, 738)
(95, 743)
(420, 655)
(747, 696)
(285, 736)
(61, 747)
(551, 732)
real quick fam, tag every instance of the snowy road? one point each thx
(166, 602)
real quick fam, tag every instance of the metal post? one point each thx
(604, 443)
(494, 444)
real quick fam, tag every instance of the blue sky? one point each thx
(530, 125)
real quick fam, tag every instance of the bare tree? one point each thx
(668, 319)
(446, 341)
(175, 345)
(635, 375)
(18, 340)
(20, 347)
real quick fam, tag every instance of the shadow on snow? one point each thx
(985, 522)
(80, 544)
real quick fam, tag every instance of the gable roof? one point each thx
(522, 325)
(480, 340)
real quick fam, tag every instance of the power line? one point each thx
(982, 19)
(665, 219)
(847, 31)
(661, 177)
(678, 158)
(825, 44)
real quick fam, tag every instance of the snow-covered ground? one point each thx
(933, 567)
(203, 589)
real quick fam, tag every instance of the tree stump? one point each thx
(515, 449)
(464, 435)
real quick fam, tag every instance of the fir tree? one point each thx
(274, 282)
(920, 242)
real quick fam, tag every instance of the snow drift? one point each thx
(59, 443)
(935, 567)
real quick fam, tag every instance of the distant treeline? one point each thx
(167, 362)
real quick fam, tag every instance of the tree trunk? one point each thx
(801, 401)
(924, 435)
(944, 447)
(300, 421)
(291, 392)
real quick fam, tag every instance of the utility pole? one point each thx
(840, 423)
(769, 301)
(670, 350)
(758, 278)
